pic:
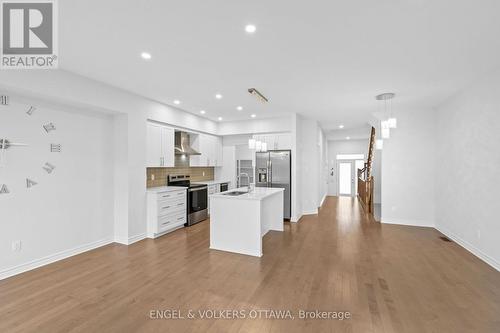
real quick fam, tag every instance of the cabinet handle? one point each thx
(180, 193)
(180, 218)
(166, 196)
(166, 207)
(180, 204)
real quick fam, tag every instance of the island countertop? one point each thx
(257, 193)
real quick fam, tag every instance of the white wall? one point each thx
(468, 168)
(408, 169)
(377, 176)
(69, 210)
(296, 169)
(322, 166)
(308, 164)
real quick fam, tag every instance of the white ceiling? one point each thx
(323, 59)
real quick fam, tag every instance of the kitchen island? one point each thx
(239, 219)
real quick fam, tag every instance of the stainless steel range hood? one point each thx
(183, 145)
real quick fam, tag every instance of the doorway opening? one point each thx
(348, 175)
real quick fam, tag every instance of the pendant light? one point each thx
(264, 147)
(392, 122)
(385, 129)
(379, 143)
(251, 143)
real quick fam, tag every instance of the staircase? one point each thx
(365, 178)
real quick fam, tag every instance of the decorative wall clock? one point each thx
(9, 144)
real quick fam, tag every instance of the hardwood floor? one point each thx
(390, 278)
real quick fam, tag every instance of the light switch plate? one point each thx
(16, 246)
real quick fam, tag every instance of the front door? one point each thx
(346, 178)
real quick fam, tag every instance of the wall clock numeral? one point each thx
(30, 183)
(48, 167)
(55, 148)
(4, 189)
(31, 110)
(49, 127)
(4, 100)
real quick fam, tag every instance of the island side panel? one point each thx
(235, 226)
(272, 213)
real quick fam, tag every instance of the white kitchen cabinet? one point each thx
(210, 147)
(283, 141)
(160, 146)
(166, 210)
(276, 141)
(219, 154)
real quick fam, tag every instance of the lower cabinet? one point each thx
(212, 189)
(166, 211)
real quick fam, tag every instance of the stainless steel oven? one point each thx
(197, 198)
(197, 203)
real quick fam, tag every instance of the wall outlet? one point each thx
(203, 173)
(16, 246)
(152, 176)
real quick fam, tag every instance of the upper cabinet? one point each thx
(276, 141)
(160, 145)
(210, 147)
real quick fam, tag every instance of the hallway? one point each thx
(390, 278)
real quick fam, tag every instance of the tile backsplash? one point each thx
(161, 174)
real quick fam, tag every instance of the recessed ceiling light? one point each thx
(239, 108)
(202, 112)
(218, 96)
(250, 28)
(219, 119)
(146, 55)
(177, 102)
(253, 115)
(341, 126)
(348, 138)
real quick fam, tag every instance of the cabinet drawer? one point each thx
(172, 207)
(169, 221)
(212, 189)
(171, 195)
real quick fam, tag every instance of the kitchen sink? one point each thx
(234, 193)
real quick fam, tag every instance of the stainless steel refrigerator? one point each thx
(273, 169)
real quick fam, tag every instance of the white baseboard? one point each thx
(310, 212)
(295, 219)
(323, 200)
(5, 273)
(471, 248)
(121, 240)
(136, 238)
(130, 240)
(413, 223)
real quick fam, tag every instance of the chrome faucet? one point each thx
(249, 188)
